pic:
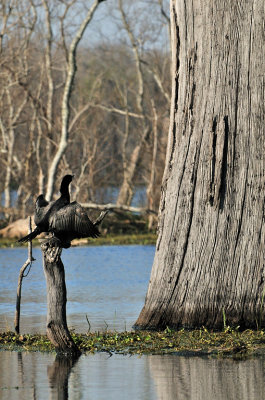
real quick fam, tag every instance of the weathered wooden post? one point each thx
(57, 330)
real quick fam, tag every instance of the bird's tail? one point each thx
(30, 236)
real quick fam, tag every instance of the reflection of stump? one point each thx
(57, 330)
(58, 374)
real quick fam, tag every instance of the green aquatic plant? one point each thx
(228, 343)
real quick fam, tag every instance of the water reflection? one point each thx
(42, 376)
(58, 374)
(206, 379)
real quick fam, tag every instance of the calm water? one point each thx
(108, 284)
(25, 376)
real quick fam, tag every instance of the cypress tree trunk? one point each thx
(209, 260)
(57, 330)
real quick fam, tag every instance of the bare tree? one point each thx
(65, 113)
(104, 110)
(130, 164)
(13, 98)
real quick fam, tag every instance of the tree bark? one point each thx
(151, 184)
(57, 330)
(209, 260)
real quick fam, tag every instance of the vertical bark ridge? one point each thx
(175, 47)
(175, 85)
(223, 172)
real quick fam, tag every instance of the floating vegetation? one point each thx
(12, 341)
(229, 343)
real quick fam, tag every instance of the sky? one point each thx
(144, 17)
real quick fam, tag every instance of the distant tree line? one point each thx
(99, 110)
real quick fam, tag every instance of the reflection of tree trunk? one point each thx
(180, 378)
(58, 375)
(57, 330)
(23, 372)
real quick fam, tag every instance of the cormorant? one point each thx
(72, 222)
(67, 221)
(44, 210)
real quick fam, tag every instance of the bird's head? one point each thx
(67, 179)
(41, 202)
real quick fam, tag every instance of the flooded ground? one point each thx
(108, 284)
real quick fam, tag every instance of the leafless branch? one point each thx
(116, 208)
(20, 279)
(118, 111)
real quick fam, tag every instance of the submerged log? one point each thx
(57, 330)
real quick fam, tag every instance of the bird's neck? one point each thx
(64, 190)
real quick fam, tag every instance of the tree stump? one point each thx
(57, 330)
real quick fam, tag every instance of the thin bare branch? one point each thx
(116, 208)
(118, 111)
(20, 279)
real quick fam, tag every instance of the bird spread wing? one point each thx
(42, 212)
(73, 220)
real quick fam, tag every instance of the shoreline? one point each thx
(229, 343)
(109, 240)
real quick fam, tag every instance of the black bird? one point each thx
(44, 210)
(67, 221)
(72, 222)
